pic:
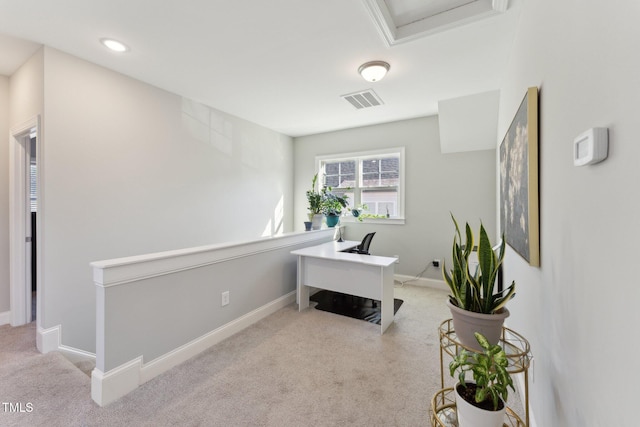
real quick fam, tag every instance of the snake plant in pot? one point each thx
(481, 403)
(475, 305)
(314, 198)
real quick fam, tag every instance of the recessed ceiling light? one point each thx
(114, 45)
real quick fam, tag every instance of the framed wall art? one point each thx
(519, 214)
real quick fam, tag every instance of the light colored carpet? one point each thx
(291, 369)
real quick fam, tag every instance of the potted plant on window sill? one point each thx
(474, 305)
(357, 212)
(481, 403)
(332, 205)
(314, 198)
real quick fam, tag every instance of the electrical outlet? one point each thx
(398, 260)
(436, 262)
(225, 298)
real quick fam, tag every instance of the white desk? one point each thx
(326, 267)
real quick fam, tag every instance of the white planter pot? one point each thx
(316, 222)
(465, 323)
(472, 416)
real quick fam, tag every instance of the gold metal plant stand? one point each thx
(514, 345)
(443, 411)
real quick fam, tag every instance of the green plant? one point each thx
(332, 203)
(314, 198)
(324, 201)
(489, 370)
(357, 212)
(373, 216)
(474, 291)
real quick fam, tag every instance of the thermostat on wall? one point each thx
(591, 147)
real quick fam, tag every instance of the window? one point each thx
(372, 180)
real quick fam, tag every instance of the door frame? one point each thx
(19, 251)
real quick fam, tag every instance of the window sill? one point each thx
(387, 221)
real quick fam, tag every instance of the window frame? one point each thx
(357, 190)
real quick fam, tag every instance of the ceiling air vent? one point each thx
(364, 99)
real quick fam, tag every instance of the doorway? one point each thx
(32, 218)
(25, 223)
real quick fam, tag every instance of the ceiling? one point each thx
(283, 64)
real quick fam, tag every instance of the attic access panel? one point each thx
(403, 20)
(405, 12)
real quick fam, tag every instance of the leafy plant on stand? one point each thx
(489, 368)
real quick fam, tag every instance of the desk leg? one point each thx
(302, 290)
(386, 301)
(386, 318)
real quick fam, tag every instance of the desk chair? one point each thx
(363, 247)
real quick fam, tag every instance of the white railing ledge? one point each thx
(124, 270)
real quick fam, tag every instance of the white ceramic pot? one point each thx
(465, 323)
(470, 415)
(316, 221)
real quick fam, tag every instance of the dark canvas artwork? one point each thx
(516, 192)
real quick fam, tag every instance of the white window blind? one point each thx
(33, 189)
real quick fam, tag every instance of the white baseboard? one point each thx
(109, 387)
(422, 281)
(112, 385)
(5, 318)
(72, 352)
(48, 339)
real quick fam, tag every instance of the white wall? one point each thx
(478, 112)
(436, 184)
(579, 309)
(130, 169)
(4, 194)
(26, 90)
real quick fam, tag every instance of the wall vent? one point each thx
(365, 99)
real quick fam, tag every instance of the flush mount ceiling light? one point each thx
(373, 71)
(114, 45)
